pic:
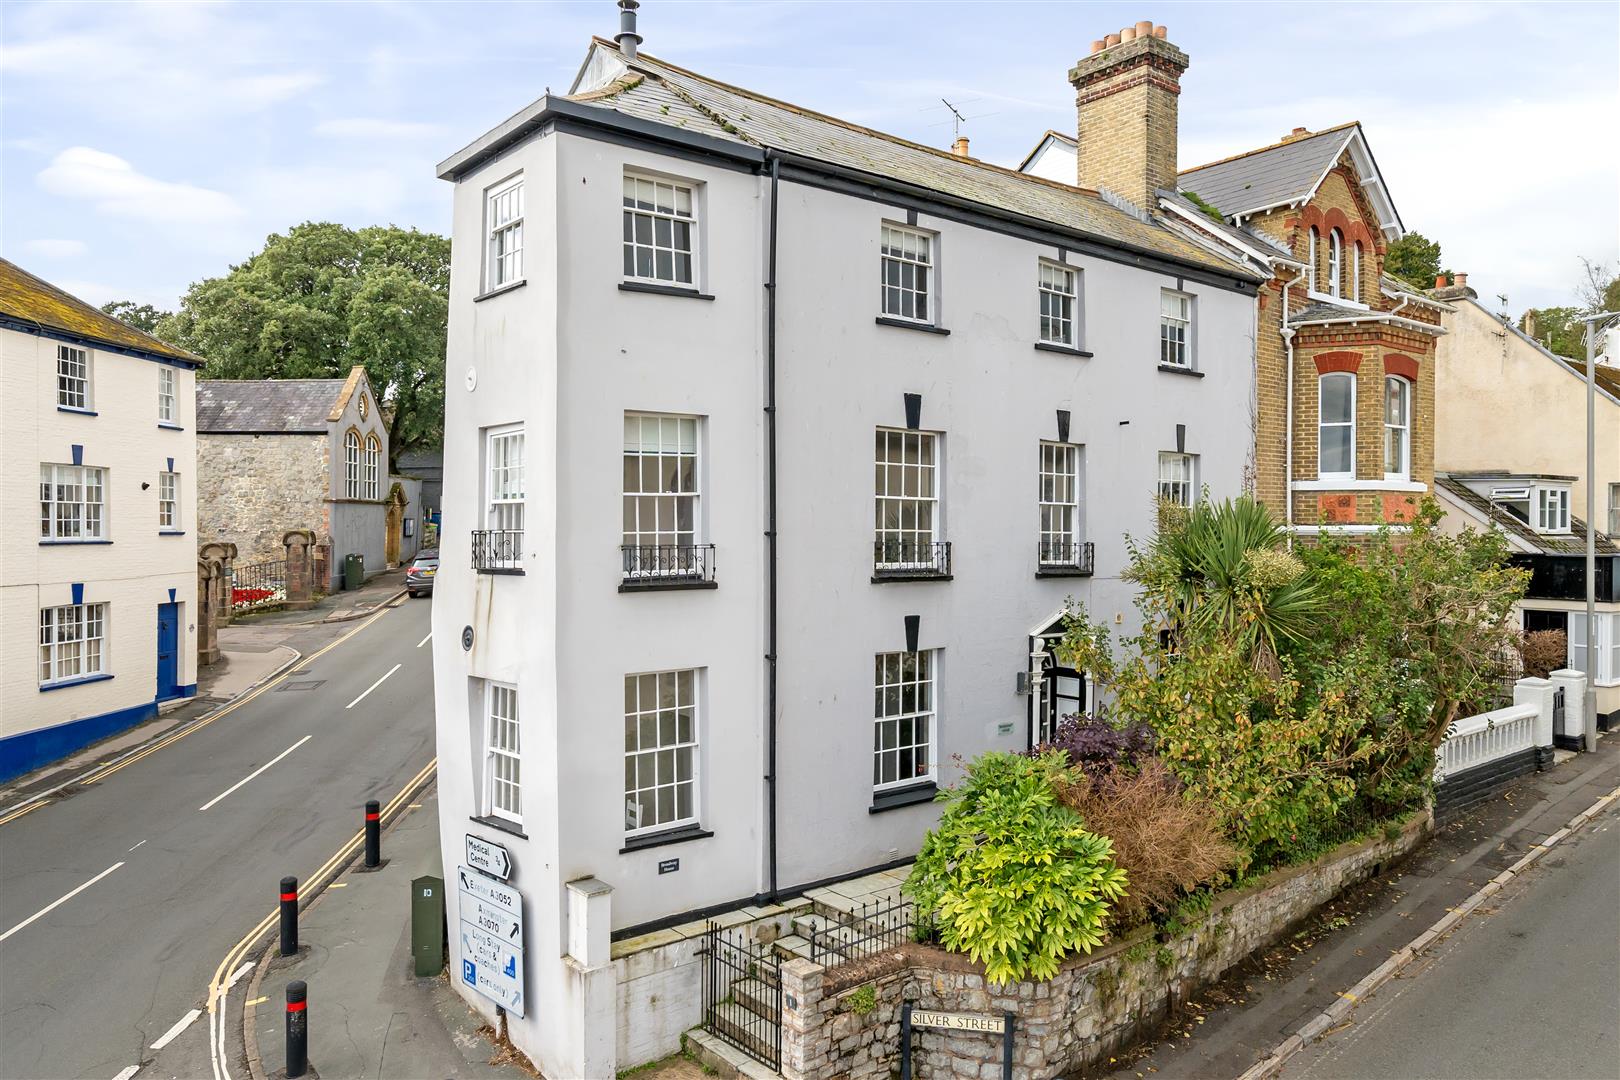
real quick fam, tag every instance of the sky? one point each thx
(146, 146)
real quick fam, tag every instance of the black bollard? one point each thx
(297, 1030)
(289, 916)
(373, 836)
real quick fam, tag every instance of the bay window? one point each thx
(1397, 428)
(1336, 426)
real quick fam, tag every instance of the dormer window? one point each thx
(1552, 510)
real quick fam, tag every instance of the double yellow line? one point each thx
(97, 775)
(308, 887)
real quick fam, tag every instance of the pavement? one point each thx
(124, 892)
(1225, 1029)
(368, 1013)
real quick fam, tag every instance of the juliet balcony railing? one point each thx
(1064, 559)
(497, 551)
(910, 560)
(667, 566)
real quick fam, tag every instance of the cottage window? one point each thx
(503, 752)
(907, 269)
(506, 491)
(1059, 503)
(1397, 428)
(1335, 264)
(351, 465)
(169, 501)
(660, 492)
(660, 231)
(505, 224)
(72, 502)
(1552, 510)
(903, 719)
(166, 401)
(373, 466)
(907, 499)
(1177, 477)
(72, 377)
(71, 641)
(1336, 426)
(1057, 296)
(1175, 329)
(660, 750)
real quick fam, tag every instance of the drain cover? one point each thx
(300, 684)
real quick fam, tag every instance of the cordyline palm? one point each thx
(1221, 567)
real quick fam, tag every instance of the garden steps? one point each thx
(792, 947)
(743, 1026)
(758, 996)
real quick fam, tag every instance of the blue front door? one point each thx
(168, 652)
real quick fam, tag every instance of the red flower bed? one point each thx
(247, 597)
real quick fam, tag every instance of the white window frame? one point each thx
(675, 462)
(504, 490)
(1322, 424)
(1404, 472)
(643, 200)
(373, 465)
(911, 253)
(1552, 509)
(1059, 500)
(503, 752)
(1058, 288)
(166, 395)
(73, 385)
(169, 502)
(654, 748)
(73, 519)
(1597, 654)
(351, 464)
(503, 229)
(1176, 330)
(891, 715)
(918, 477)
(1335, 264)
(1316, 271)
(1355, 271)
(72, 635)
(1614, 510)
(1178, 490)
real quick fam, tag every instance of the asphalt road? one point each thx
(1528, 988)
(118, 903)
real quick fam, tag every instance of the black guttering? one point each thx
(592, 121)
(770, 536)
(29, 326)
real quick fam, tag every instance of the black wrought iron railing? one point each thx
(494, 550)
(663, 564)
(1066, 558)
(742, 993)
(894, 558)
(870, 928)
(258, 585)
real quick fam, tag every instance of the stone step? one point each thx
(793, 945)
(744, 1028)
(725, 1060)
(758, 996)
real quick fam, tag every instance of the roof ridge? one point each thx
(145, 342)
(1273, 146)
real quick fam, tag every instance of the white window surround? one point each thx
(662, 728)
(1059, 503)
(660, 492)
(906, 491)
(905, 721)
(503, 753)
(1606, 671)
(1552, 509)
(1176, 329)
(503, 225)
(504, 482)
(168, 502)
(660, 230)
(166, 396)
(1316, 271)
(1397, 428)
(1336, 426)
(373, 467)
(1178, 477)
(1614, 510)
(1059, 288)
(72, 643)
(351, 464)
(73, 389)
(1335, 264)
(906, 280)
(1355, 272)
(72, 503)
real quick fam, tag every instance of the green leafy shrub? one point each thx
(862, 1000)
(1011, 876)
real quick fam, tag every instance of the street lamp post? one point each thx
(1594, 327)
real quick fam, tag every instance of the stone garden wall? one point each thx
(833, 1027)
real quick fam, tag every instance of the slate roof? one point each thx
(266, 406)
(1242, 234)
(1572, 544)
(36, 304)
(665, 94)
(1269, 176)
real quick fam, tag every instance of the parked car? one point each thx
(419, 578)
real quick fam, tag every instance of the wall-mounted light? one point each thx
(145, 484)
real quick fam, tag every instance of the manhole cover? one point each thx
(300, 684)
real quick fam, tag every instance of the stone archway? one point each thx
(394, 525)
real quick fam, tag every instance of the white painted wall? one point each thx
(1055, 161)
(135, 572)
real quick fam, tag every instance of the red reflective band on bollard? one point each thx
(297, 1006)
(371, 817)
(289, 896)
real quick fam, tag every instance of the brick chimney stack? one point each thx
(1126, 95)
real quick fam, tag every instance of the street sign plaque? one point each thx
(489, 857)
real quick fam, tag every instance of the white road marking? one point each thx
(425, 640)
(127, 1071)
(137, 845)
(236, 977)
(254, 773)
(174, 1032)
(373, 686)
(48, 908)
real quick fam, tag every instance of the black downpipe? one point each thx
(770, 531)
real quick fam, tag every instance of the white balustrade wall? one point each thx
(1479, 740)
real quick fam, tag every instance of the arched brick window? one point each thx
(373, 466)
(1335, 263)
(1316, 271)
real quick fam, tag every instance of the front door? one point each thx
(1058, 692)
(168, 652)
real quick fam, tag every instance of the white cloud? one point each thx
(113, 187)
(368, 127)
(56, 249)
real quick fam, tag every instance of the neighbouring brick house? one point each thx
(280, 454)
(1344, 410)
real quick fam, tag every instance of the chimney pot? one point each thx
(1128, 34)
(627, 37)
(1161, 33)
(1127, 115)
(1111, 40)
(1098, 46)
(1144, 28)
(960, 148)
(1439, 281)
(1461, 280)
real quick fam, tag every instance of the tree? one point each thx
(1414, 259)
(1558, 329)
(1600, 291)
(322, 298)
(143, 317)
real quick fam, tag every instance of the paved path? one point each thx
(1528, 987)
(118, 902)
